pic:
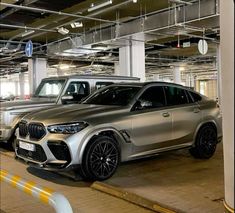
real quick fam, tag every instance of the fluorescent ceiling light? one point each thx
(95, 7)
(181, 2)
(63, 31)
(64, 66)
(76, 24)
(26, 33)
(134, 1)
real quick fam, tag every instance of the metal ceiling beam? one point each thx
(55, 12)
(195, 13)
(13, 10)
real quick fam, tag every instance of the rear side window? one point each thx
(78, 88)
(155, 96)
(175, 96)
(196, 97)
(98, 85)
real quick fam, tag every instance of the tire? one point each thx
(205, 144)
(101, 158)
(12, 142)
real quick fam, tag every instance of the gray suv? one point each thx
(117, 123)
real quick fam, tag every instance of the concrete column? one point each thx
(177, 75)
(156, 77)
(22, 84)
(227, 76)
(218, 67)
(132, 58)
(193, 80)
(124, 62)
(188, 80)
(138, 56)
(117, 68)
(16, 88)
(37, 71)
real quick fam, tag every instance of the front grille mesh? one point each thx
(34, 130)
(37, 155)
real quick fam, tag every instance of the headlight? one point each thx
(67, 128)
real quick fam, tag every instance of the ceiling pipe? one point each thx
(27, 28)
(55, 12)
(112, 7)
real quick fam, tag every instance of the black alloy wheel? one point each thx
(206, 142)
(101, 158)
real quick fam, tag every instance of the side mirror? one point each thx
(66, 99)
(142, 104)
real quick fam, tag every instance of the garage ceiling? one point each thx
(108, 24)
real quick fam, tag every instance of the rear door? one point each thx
(186, 114)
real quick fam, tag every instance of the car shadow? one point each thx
(68, 179)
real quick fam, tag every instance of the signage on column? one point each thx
(202, 46)
(29, 49)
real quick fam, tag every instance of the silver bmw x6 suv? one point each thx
(119, 123)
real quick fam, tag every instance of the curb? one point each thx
(133, 198)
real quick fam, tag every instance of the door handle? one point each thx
(196, 110)
(165, 114)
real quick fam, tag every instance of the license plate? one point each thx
(27, 146)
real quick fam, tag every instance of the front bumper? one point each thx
(45, 166)
(44, 158)
(5, 133)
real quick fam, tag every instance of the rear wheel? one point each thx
(101, 158)
(205, 144)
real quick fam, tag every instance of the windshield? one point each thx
(49, 88)
(113, 95)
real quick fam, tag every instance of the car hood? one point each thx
(22, 104)
(72, 113)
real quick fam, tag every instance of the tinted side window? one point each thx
(155, 96)
(78, 89)
(196, 97)
(175, 96)
(98, 85)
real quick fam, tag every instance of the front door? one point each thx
(151, 121)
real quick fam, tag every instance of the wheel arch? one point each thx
(111, 132)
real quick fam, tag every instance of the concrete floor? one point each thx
(177, 180)
(173, 179)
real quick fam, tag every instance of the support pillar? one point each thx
(16, 88)
(227, 77)
(177, 75)
(132, 58)
(117, 68)
(188, 80)
(138, 56)
(218, 68)
(124, 61)
(37, 71)
(156, 77)
(22, 84)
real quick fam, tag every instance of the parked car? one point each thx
(52, 91)
(118, 123)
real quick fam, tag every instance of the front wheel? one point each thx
(101, 158)
(205, 144)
